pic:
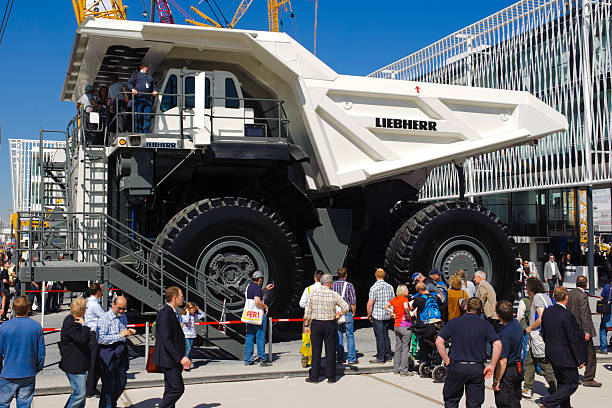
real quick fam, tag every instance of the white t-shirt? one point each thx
(553, 268)
(307, 292)
(539, 300)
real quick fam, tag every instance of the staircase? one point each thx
(89, 253)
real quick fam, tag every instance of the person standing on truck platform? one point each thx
(304, 300)
(119, 102)
(142, 85)
(469, 335)
(380, 294)
(509, 371)
(320, 320)
(347, 291)
(93, 312)
(256, 332)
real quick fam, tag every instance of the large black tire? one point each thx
(227, 239)
(450, 235)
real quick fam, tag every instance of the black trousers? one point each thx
(460, 377)
(567, 384)
(173, 386)
(323, 331)
(93, 374)
(509, 394)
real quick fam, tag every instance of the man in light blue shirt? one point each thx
(22, 355)
(92, 314)
(112, 332)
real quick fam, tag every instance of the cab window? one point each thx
(230, 94)
(189, 92)
(207, 93)
(169, 101)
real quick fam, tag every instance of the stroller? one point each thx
(426, 331)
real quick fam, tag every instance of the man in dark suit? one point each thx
(169, 353)
(565, 349)
(578, 304)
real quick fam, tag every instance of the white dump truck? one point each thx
(261, 157)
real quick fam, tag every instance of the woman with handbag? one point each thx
(74, 350)
(400, 310)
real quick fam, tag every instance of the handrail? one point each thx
(107, 233)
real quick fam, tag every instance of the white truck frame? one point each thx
(334, 183)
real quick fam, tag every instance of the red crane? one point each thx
(163, 10)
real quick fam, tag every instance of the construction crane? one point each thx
(242, 8)
(274, 7)
(164, 13)
(111, 9)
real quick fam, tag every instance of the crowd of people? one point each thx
(429, 318)
(461, 326)
(123, 106)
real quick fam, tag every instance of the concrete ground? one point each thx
(212, 366)
(382, 389)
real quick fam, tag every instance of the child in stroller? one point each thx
(427, 327)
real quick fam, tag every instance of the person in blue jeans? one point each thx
(142, 85)
(255, 332)
(74, 350)
(22, 355)
(605, 321)
(347, 291)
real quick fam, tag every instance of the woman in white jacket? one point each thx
(191, 313)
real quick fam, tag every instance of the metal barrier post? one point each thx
(146, 344)
(42, 316)
(269, 339)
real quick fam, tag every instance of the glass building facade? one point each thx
(560, 51)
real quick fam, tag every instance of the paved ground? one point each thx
(355, 390)
(211, 366)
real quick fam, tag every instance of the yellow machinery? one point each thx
(112, 9)
(274, 9)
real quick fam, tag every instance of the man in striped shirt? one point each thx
(347, 291)
(380, 294)
(320, 321)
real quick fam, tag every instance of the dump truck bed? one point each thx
(355, 129)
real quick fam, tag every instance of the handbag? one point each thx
(604, 306)
(251, 313)
(306, 347)
(341, 318)
(151, 366)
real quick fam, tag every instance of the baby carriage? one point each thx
(426, 331)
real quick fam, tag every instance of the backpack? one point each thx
(431, 310)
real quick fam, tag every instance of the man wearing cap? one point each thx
(142, 85)
(320, 321)
(256, 332)
(433, 282)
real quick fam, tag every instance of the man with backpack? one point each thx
(536, 353)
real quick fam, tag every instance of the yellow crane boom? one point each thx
(112, 9)
(274, 7)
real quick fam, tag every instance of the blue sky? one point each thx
(353, 37)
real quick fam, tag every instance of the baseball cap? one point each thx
(257, 275)
(89, 88)
(415, 276)
(434, 271)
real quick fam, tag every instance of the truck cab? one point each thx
(210, 103)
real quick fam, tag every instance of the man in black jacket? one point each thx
(169, 353)
(565, 349)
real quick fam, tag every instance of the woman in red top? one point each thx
(398, 307)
